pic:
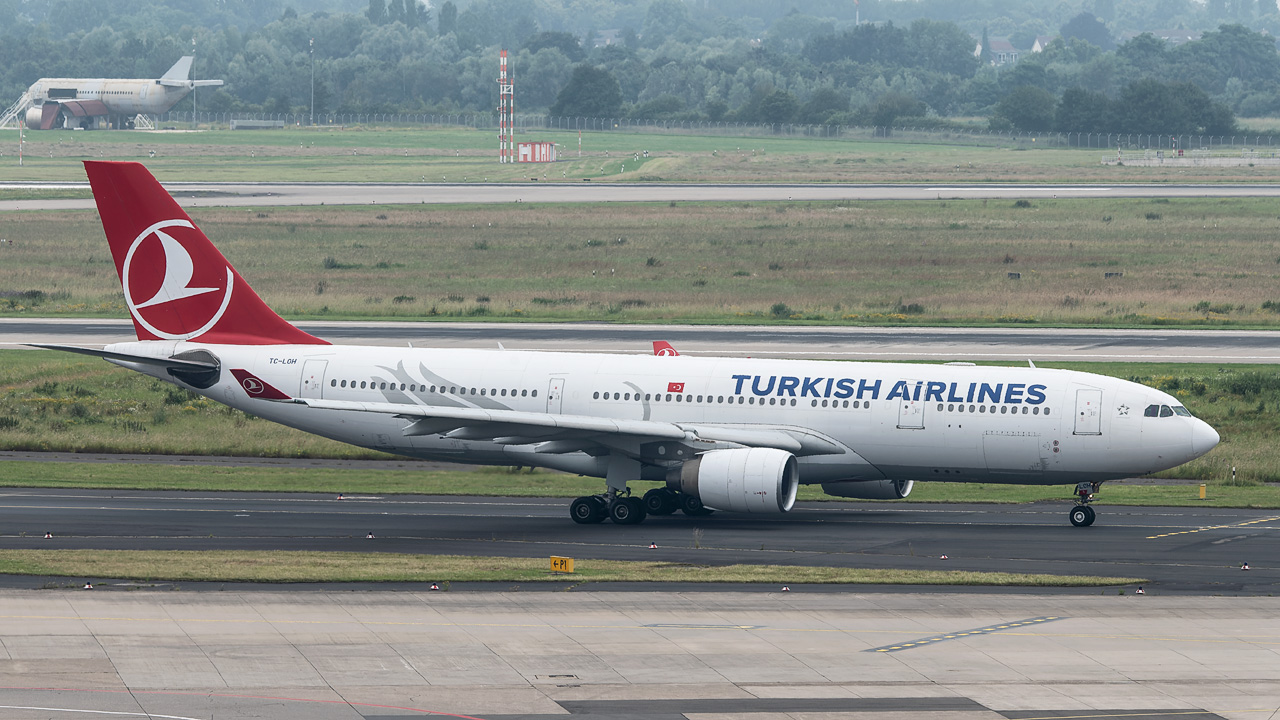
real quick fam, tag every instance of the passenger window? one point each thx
(940, 406)
(1166, 411)
(1046, 411)
(773, 401)
(534, 393)
(720, 399)
(668, 397)
(1035, 411)
(333, 383)
(595, 396)
(793, 402)
(647, 397)
(524, 393)
(971, 408)
(1152, 411)
(344, 383)
(626, 396)
(362, 384)
(813, 403)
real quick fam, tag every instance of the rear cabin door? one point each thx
(1088, 412)
(555, 395)
(313, 379)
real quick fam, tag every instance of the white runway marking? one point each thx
(98, 712)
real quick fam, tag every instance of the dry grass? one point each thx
(282, 566)
(1196, 262)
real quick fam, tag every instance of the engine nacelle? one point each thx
(751, 480)
(35, 117)
(870, 489)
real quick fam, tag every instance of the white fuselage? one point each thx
(890, 420)
(121, 97)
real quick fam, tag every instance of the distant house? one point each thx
(1042, 42)
(604, 38)
(1002, 51)
(1176, 36)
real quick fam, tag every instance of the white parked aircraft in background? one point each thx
(89, 102)
(728, 434)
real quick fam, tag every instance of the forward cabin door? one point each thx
(911, 412)
(313, 379)
(1088, 412)
(555, 395)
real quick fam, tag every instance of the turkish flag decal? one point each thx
(675, 387)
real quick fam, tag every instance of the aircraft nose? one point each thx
(1203, 438)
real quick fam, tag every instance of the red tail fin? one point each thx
(176, 283)
(662, 348)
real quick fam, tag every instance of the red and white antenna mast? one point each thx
(506, 111)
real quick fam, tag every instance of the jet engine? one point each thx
(35, 116)
(750, 480)
(870, 489)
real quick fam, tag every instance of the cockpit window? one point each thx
(1152, 411)
(1166, 411)
(1179, 410)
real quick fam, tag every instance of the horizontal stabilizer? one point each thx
(183, 365)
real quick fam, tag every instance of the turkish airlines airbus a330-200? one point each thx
(727, 434)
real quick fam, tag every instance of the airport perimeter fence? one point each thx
(525, 124)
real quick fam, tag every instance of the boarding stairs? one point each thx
(15, 111)
(143, 122)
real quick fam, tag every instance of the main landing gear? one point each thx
(624, 509)
(621, 509)
(1082, 514)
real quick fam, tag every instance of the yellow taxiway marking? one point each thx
(1214, 527)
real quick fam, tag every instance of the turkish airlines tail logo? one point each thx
(176, 284)
(662, 348)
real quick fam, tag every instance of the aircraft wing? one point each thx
(515, 427)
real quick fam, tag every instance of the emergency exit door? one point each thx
(911, 412)
(555, 395)
(1088, 412)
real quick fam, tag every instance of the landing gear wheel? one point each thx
(660, 501)
(587, 510)
(1082, 516)
(627, 511)
(692, 506)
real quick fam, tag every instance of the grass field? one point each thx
(280, 566)
(463, 155)
(59, 402)
(1184, 262)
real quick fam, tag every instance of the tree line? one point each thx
(908, 62)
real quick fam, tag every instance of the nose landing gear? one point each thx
(1082, 515)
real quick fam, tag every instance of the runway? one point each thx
(1011, 345)
(1177, 550)
(635, 656)
(197, 194)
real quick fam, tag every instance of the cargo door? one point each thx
(1088, 412)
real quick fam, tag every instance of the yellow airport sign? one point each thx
(561, 564)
